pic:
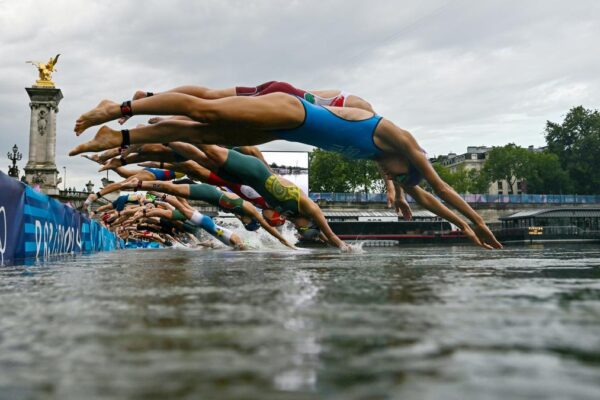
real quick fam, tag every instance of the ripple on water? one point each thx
(409, 322)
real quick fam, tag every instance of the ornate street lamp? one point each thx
(89, 186)
(14, 157)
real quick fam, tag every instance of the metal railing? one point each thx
(469, 198)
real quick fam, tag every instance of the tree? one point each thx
(545, 175)
(479, 182)
(463, 180)
(327, 172)
(576, 142)
(510, 163)
(331, 172)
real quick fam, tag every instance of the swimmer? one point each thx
(333, 98)
(281, 195)
(184, 213)
(144, 174)
(121, 201)
(353, 132)
(199, 173)
(228, 202)
(192, 170)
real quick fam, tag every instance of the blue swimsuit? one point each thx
(164, 174)
(326, 130)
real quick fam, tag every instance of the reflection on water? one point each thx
(417, 322)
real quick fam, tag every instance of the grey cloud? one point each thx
(455, 73)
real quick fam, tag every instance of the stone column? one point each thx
(41, 167)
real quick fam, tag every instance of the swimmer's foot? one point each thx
(108, 154)
(105, 111)
(92, 157)
(156, 120)
(105, 138)
(114, 163)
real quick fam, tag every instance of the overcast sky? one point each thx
(454, 73)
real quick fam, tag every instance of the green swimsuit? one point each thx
(249, 170)
(214, 196)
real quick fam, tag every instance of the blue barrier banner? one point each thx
(33, 225)
(11, 217)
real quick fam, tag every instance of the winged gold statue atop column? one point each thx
(45, 70)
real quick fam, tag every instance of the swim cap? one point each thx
(310, 232)
(275, 219)
(412, 178)
(252, 225)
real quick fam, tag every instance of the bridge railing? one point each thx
(469, 198)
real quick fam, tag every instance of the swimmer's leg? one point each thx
(274, 111)
(222, 234)
(175, 130)
(159, 186)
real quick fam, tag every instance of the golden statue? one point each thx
(45, 70)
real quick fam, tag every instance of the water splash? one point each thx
(357, 247)
(260, 239)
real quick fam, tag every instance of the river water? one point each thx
(387, 323)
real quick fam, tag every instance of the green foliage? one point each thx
(510, 163)
(463, 180)
(546, 175)
(331, 172)
(576, 142)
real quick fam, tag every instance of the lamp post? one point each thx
(89, 186)
(65, 180)
(14, 157)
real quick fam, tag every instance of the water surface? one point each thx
(397, 323)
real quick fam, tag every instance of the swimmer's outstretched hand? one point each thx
(473, 237)
(402, 207)
(288, 244)
(346, 248)
(486, 236)
(92, 157)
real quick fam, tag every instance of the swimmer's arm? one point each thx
(445, 191)
(113, 187)
(400, 203)
(390, 190)
(317, 216)
(157, 212)
(323, 238)
(250, 209)
(428, 201)
(165, 205)
(185, 208)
